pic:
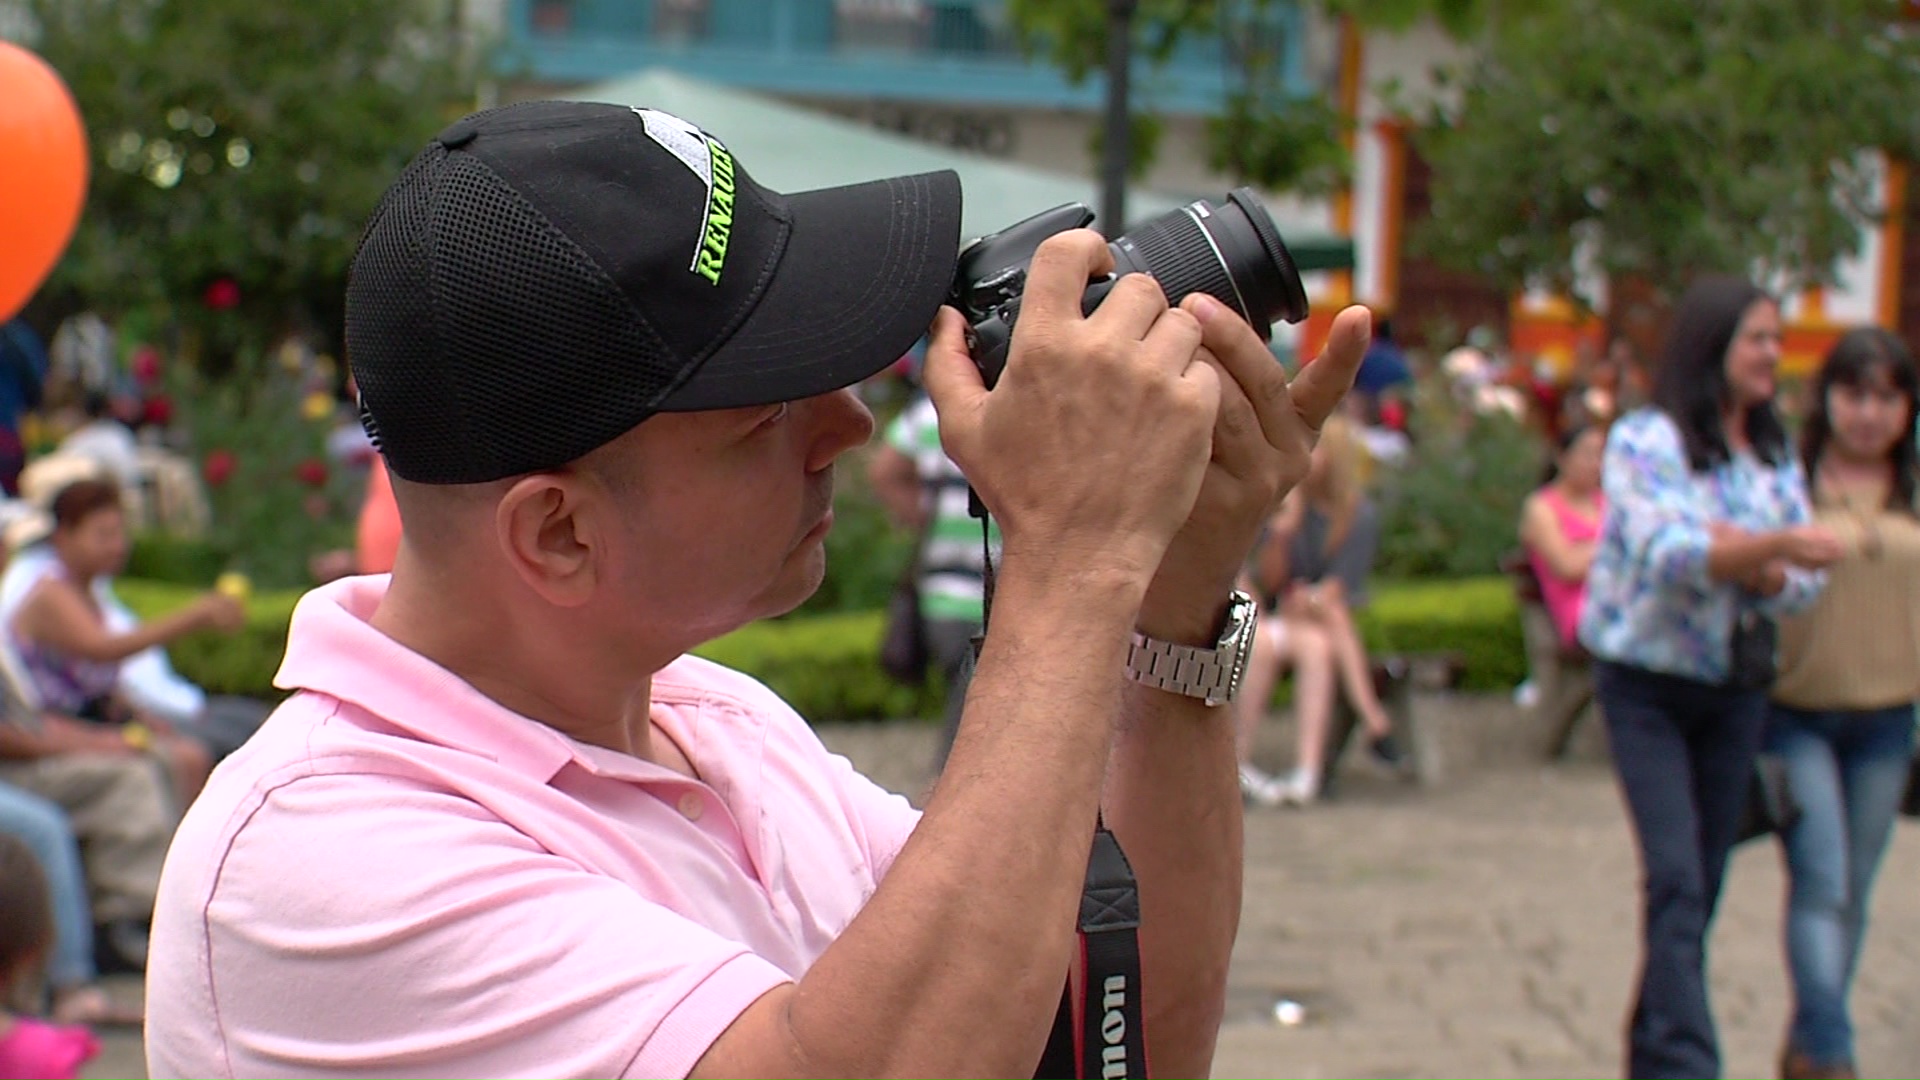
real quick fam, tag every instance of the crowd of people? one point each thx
(103, 744)
(1745, 584)
(506, 733)
(1685, 526)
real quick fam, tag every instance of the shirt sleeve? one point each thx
(437, 940)
(1649, 487)
(885, 819)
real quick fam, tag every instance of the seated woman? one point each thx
(1560, 527)
(1315, 560)
(71, 656)
(1278, 645)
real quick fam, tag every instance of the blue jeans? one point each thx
(1848, 771)
(1684, 751)
(42, 826)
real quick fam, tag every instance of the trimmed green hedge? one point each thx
(241, 663)
(826, 665)
(1477, 619)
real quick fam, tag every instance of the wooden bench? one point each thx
(1563, 673)
(1395, 678)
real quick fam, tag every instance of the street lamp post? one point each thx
(1116, 141)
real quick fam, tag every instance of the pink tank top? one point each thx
(1562, 597)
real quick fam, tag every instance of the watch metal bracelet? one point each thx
(1180, 669)
(1210, 674)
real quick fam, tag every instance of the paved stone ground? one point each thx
(1485, 926)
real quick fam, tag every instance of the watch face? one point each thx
(1243, 617)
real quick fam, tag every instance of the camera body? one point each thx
(1228, 250)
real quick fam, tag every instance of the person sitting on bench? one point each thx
(1560, 526)
(1318, 553)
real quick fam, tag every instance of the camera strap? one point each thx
(1101, 1031)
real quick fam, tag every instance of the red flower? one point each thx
(222, 295)
(146, 364)
(158, 411)
(311, 472)
(218, 467)
(1393, 415)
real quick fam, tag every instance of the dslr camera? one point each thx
(1229, 250)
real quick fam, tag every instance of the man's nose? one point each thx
(841, 421)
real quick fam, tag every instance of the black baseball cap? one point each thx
(545, 276)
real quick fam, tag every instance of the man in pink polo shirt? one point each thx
(505, 826)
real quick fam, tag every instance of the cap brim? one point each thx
(864, 272)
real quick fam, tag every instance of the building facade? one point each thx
(950, 71)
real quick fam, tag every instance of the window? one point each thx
(881, 24)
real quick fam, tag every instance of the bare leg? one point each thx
(1313, 689)
(1270, 648)
(1356, 669)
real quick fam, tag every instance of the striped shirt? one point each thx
(952, 571)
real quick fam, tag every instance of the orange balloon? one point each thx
(43, 174)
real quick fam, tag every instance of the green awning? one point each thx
(1313, 251)
(791, 148)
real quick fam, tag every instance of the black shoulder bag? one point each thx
(904, 653)
(1753, 643)
(1100, 1032)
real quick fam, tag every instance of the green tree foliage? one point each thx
(1665, 138)
(1453, 509)
(241, 140)
(1460, 18)
(1265, 134)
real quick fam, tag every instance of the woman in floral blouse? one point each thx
(1707, 525)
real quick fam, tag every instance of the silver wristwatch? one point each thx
(1210, 674)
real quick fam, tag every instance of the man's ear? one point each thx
(550, 528)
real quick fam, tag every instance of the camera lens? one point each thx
(1229, 250)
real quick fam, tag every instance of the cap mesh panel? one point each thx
(485, 342)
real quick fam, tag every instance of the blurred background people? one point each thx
(1315, 559)
(1559, 532)
(1560, 526)
(72, 657)
(925, 492)
(30, 1047)
(1277, 646)
(1843, 708)
(74, 994)
(23, 376)
(1707, 535)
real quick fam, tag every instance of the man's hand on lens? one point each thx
(1091, 448)
(1262, 439)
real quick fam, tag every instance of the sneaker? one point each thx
(1301, 787)
(1259, 788)
(1386, 752)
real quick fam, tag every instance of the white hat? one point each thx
(28, 520)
